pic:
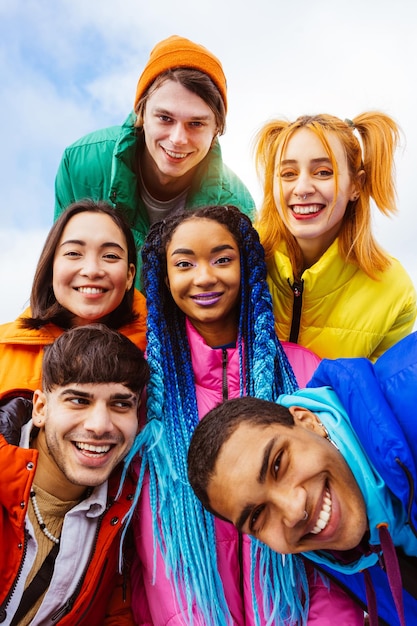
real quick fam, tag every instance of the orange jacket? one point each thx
(21, 349)
(100, 599)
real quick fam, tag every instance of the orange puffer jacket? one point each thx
(21, 349)
(100, 599)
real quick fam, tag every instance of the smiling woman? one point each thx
(210, 336)
(335, 290)
(85, 274)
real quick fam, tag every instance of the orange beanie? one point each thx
(180, 52)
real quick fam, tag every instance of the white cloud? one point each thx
(19, 253)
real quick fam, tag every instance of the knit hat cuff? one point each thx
(177, 52)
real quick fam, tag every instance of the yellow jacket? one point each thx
(344, 313)
(21, 349)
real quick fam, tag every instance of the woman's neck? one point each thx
(216, 334)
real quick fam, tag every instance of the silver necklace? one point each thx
(39, 517)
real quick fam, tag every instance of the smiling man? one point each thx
(166, 156)
(329, 471)
(59, 475)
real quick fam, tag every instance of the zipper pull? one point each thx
(297, 287)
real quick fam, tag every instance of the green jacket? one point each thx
(101, 166)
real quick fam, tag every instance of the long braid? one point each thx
(183, 530)
(268, 374)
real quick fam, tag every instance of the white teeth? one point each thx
(324, 515)
(90, 290)
(175, 155)
(305, 210)
(90, 448)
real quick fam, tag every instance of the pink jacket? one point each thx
(154, 602)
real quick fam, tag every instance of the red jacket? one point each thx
(100, 600)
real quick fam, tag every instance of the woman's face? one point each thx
(203, 276)
(91, 272)
(312, 212)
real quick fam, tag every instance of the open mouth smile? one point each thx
(175, 155)
(90, 290)
(324, 515)
(92, 450)
(303, 209)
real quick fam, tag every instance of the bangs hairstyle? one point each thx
(195, 81)
(94, 354)
(379, 136)
(44, 306)
(183, 530)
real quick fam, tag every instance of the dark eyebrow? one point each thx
(123, 396)
(85, 394)
(190, 252)
(80, 242)
(244, 516)
(75, 392)
(261, 479)
(265, 461)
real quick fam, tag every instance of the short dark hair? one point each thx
(217, 427)
(94, 354)
(44, 306)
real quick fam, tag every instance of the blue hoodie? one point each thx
(370, 414)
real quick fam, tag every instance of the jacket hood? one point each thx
(381, 506)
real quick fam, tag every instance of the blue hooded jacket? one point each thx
(369, 411)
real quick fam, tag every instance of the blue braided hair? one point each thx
(184, 531)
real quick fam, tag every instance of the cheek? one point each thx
(131, 429)
(60, 275)
(176, 285)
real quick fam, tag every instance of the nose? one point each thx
(304, 187)
(204, 275)
(178, 135)
(291, 506)
(98, 420)
(92, 267)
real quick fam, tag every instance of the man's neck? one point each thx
(161, 186)
(49, 477)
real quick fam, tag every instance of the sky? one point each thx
(69, 67)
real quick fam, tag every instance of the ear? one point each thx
(39, 408)
(307, 419)
(357, 185)
(167, 283)
(130, 276)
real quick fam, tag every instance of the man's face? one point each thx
(267, 478)
(85, 431)
(179, 130)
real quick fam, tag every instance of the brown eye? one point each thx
(254, 518)
(277, 464)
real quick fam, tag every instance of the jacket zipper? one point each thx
(225, 394)
(297, 289)
(3, 607)
(411, 496)
(67, 607)
(225, 387)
